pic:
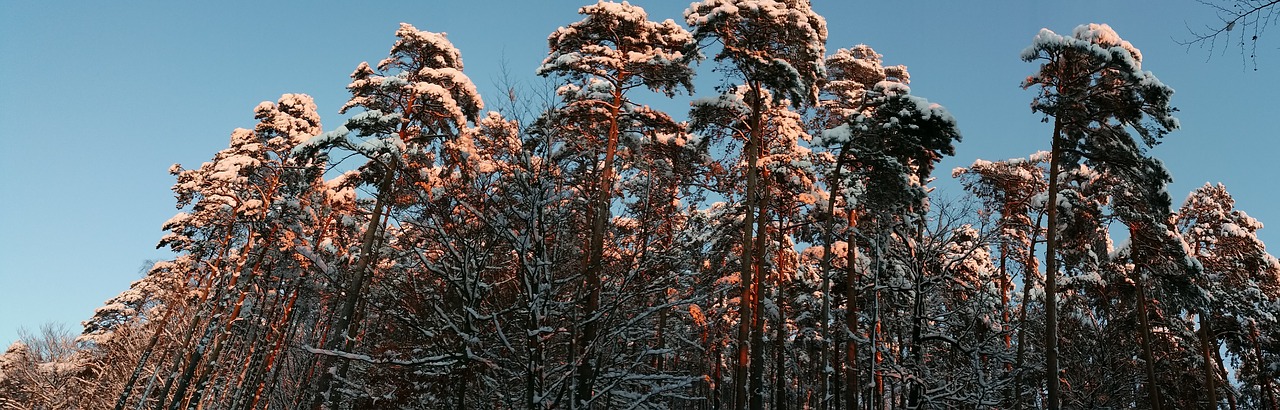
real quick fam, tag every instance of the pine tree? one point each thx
(844, 95)
(611, 51)
(1093, 86)
(893, 145)
(1010, 188)
(772, 46)
(237, 221)
(417, 100)
(1243, 282)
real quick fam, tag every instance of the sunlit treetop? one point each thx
(776, 44)
(618, 43)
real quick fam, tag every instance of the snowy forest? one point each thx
(776, 246)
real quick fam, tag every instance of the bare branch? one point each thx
(1239, 21)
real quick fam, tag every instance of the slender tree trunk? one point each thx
(851, 313)
(757, 330)
(747, 259)
(349, 345)
(1030, 269)
(219, 343)
(1153, 386)
(877, 354)
(660, 361)
(1006, 286)
(256, 366)
(917, 323)
(461, 403)
(1264, 383)
(1222, 372)
(837, 381)
(142, 362)
(1210, 374)
(173, 374)
(354, 287)
(1051, 271)
(779, 331)
(212, 308)
(828, 238)
(211, 334)
(718, 379)
(272, 367)
(779, 348)
(151, 382)
(595, 255)
(211, 365)
(193, 362)
(534, 369)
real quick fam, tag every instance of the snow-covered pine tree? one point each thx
(774, 46)
(417, 100)
(297, 211)
(787, 188)
(230, 243)
(894, 145)
(790, 191)
(614, 49)
(1009, 188)
(1243, 283)
(846, 94)
(117, 331)
(1163, 275)
(1093, 85)
(658, 194)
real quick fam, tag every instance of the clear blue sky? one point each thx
(97, 99)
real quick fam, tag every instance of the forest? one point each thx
(777, 246)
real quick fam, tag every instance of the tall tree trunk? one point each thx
(534, 367)
(917, 324)
(219, 343)
(211, 335)
(718, 379)
(537, 347)
(211, 308)
(660, 361)
(1051, 271)
(837, 382)
(1030, 269)
(1148, 357)
(173, 373)
(1006, 286)
(779, 347)
(461, 403)
(193, 362)
(828, 239)
(595, 257)
(272, 367)
(877, 355)
(256, 366)
(1264, 383)
(851, 313)
(757, 329)
(1210, 374)
(354, 287)
(142, 361)
(211, 365)
(747, 257)
(151, 382)
(779, 331)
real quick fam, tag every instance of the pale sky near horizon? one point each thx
(98, 99)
